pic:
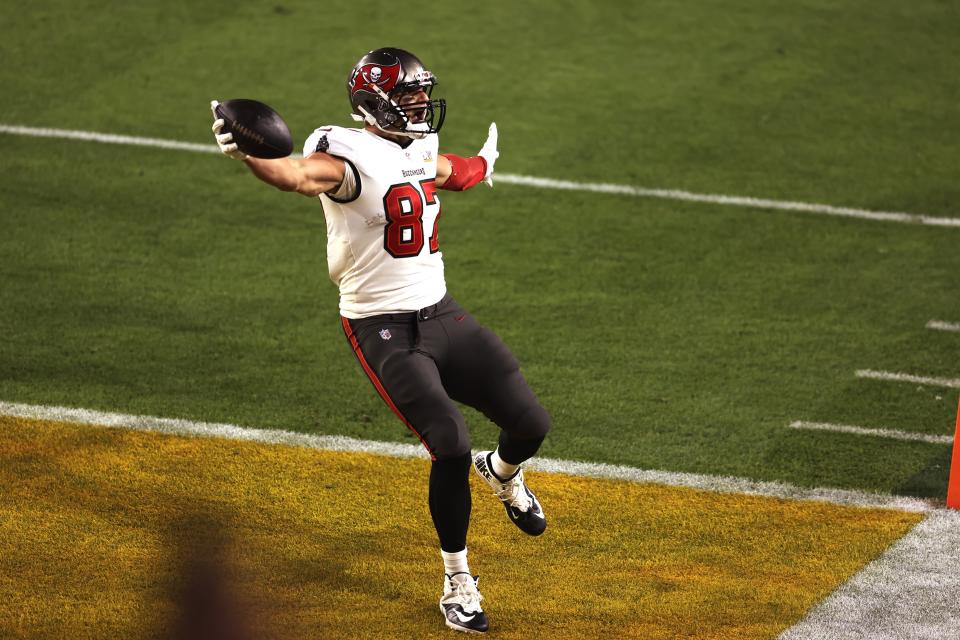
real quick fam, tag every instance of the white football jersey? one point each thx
(382, 245)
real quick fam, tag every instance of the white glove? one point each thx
(489, 152)
(225, 140)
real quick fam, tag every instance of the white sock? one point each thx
(503, 470)
(455, 562)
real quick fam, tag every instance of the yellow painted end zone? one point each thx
(102, 529)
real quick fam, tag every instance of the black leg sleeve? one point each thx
(450, 501)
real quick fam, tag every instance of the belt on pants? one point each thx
(425, 314)
(421, 314)
(415, 317)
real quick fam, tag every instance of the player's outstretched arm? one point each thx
(309, 176)
(455, 173)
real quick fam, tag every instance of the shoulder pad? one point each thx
(337, 141)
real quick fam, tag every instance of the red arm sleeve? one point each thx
(465, 172)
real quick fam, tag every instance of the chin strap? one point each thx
(370, 119)
(465, 172)
(366, 117)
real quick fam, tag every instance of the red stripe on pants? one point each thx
(377, 384)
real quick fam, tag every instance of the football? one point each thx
(258, 130)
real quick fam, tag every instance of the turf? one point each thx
(110, 533)
(659, 334)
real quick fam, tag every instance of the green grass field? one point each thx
(668, 335)
(659, 334)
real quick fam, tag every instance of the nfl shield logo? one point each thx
(385, 334)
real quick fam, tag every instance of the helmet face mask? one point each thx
(378, 86)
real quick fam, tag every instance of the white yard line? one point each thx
(109, 138)
(952, 383)
(736, 201)
(940, 325)
(721, 484)
(544, 183)
(894, 434)
(908, 593)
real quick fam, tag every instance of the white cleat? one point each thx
(460, 604)
(522, 506)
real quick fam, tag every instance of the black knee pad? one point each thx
(453, 451)
(443, 430)
(449, 439)
(534, 424)
(523, 441)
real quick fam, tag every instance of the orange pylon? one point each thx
(953, 484)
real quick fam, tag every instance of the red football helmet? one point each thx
(376, 86)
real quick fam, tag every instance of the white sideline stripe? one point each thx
(895, 434)
(940, 325)
(952, 383)
(736, 201)
(109, 138)
(908, 593)
(543, 183)
(731, 484)
(175, 426)
(721, 484)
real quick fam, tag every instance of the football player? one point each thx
(421, 350)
